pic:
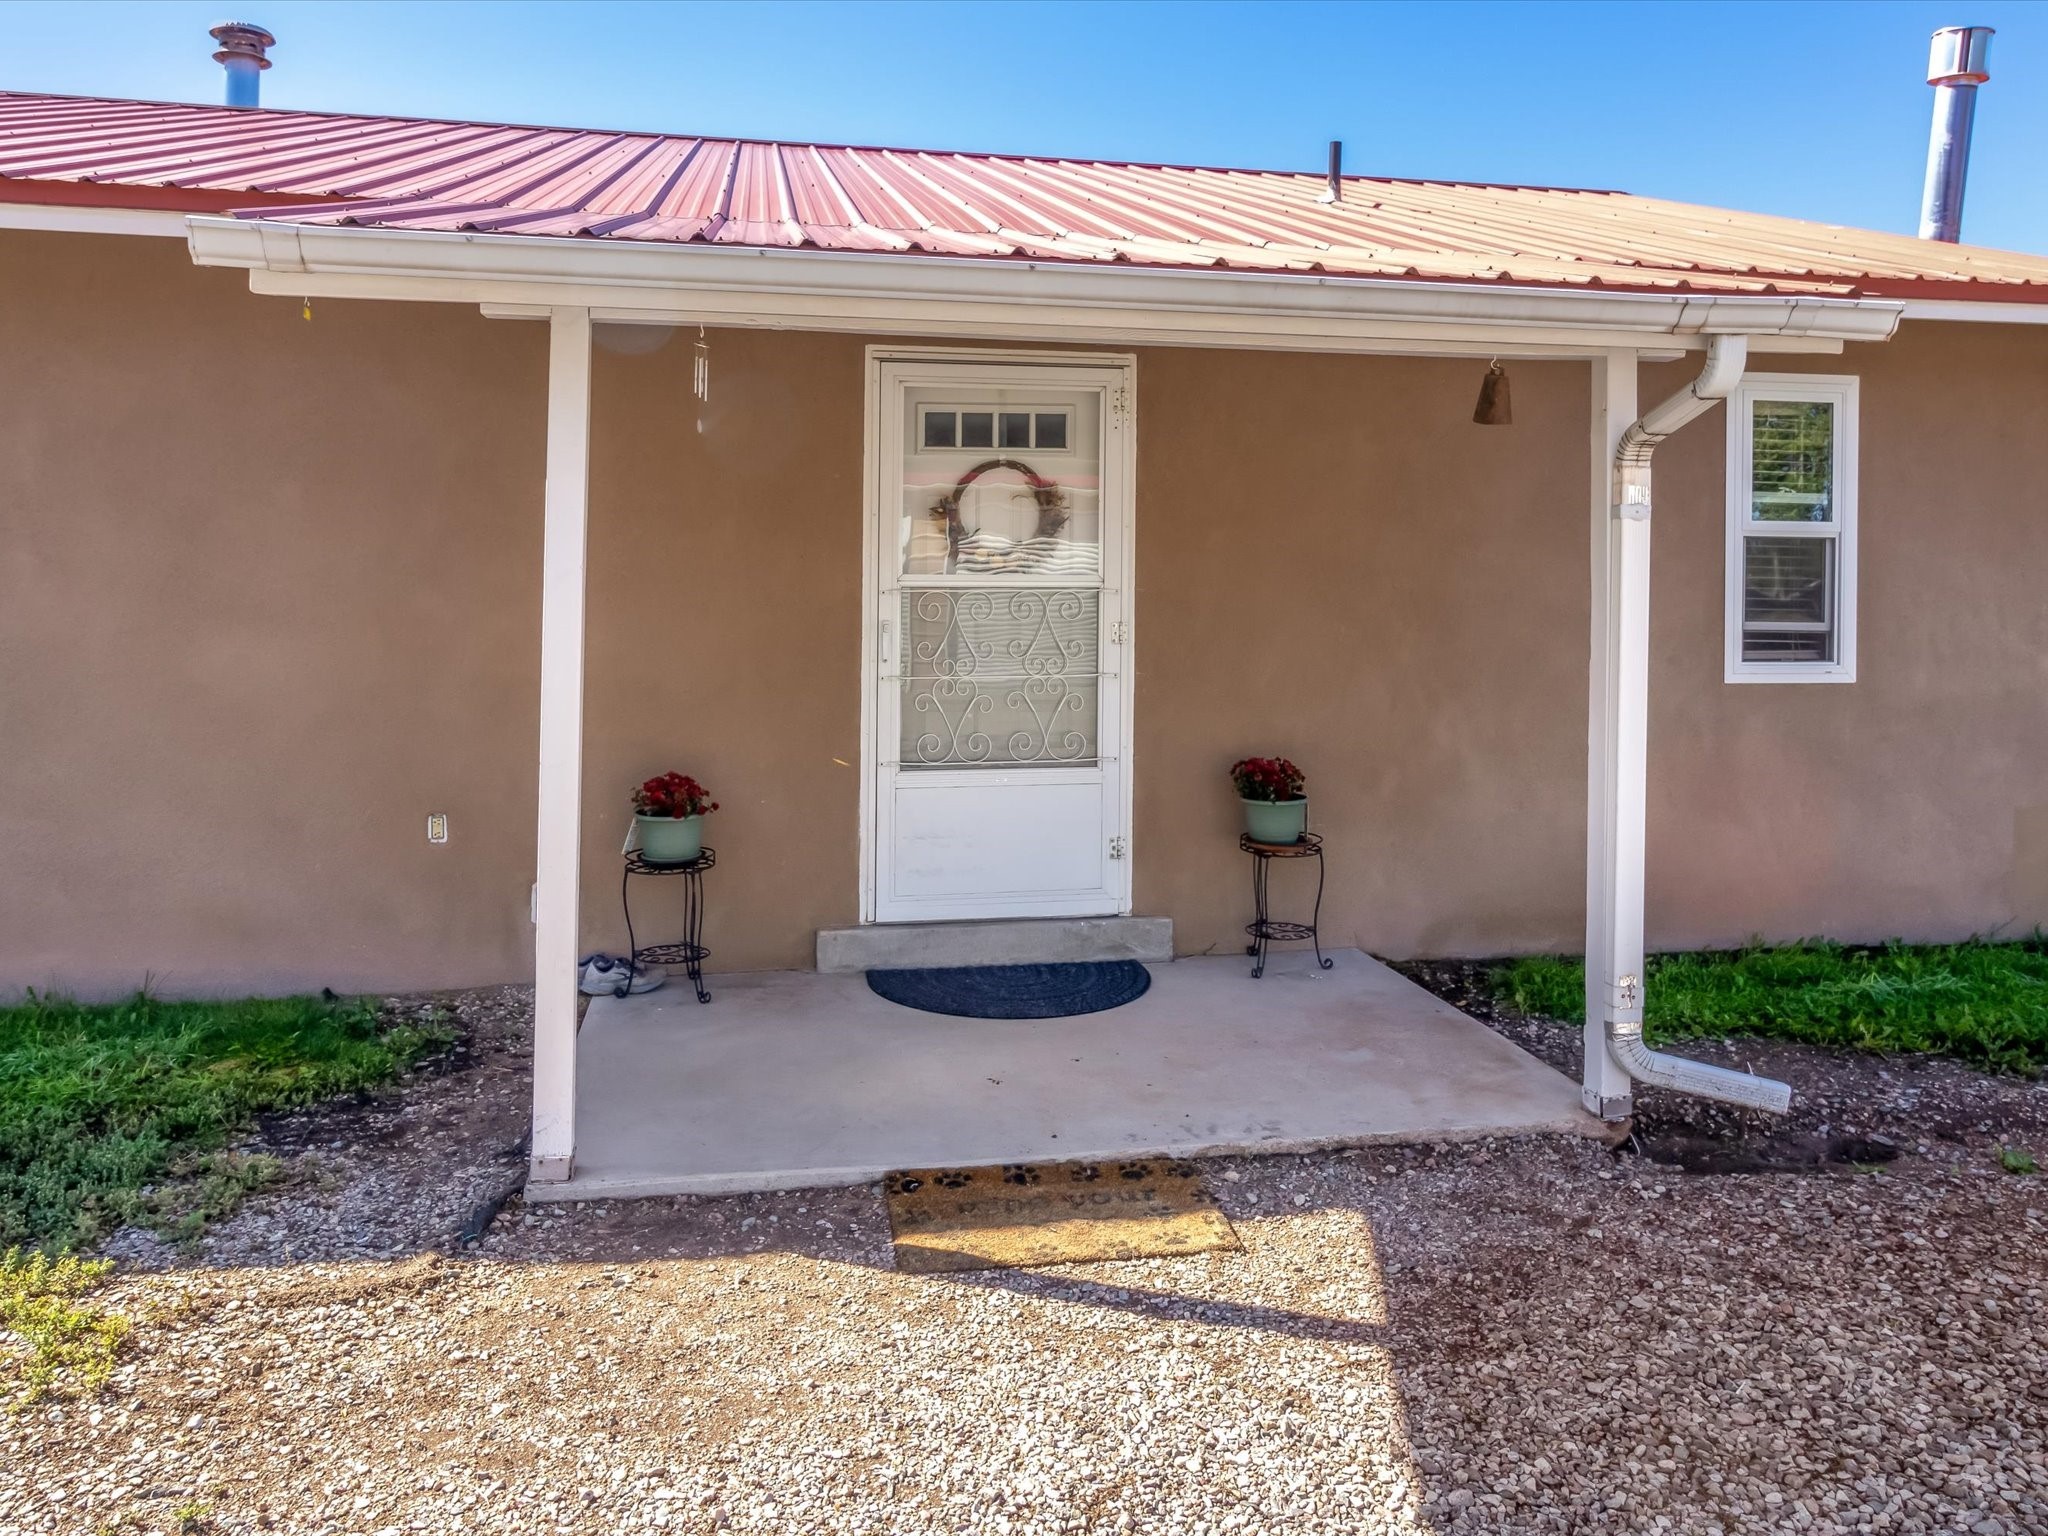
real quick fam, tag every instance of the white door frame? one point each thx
(1120, 438)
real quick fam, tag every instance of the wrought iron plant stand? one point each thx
(1265, 928)
(690, 953)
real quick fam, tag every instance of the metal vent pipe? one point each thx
(242, 54)
(1956, 66)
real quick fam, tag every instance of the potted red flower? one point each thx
(1275, 805)
(670, 810)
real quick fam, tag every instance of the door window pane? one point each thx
(1025, 509)
(998, 627)
(1792, 461)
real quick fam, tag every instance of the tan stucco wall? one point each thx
(267, 597)
(1335, 565)
(724, 632)
(241, 664)
(1915, 800)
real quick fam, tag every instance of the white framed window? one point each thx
(1791, 562)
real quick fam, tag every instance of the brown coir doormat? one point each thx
(1050, 1213)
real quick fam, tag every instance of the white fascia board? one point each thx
(810, 289)
(77, 219)
(1104, 327)
(1982, 314)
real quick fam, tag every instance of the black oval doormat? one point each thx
(1016, 991)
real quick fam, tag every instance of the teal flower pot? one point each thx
(1276, 821)
(670, 839)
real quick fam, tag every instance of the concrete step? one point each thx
(1004, 941)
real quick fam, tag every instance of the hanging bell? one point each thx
(1495, 408)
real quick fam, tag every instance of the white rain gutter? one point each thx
(1623, 1024)
(1981, 312)
(655, 282)
(73, 218)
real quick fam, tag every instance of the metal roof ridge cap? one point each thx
(228, 241)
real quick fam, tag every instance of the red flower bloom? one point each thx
(673, 794)
(1267, 778)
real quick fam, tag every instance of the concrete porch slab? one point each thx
(792, 1079)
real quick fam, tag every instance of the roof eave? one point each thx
(806, 288)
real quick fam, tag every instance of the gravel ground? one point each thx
(1500, 1337)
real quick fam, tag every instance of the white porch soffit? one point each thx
(524, 276)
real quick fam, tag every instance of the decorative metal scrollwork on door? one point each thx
(1000, 676)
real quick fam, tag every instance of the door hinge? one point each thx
(1116, 847)
(1119, 632)
(1120, 402)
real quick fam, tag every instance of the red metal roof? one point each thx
(408, 173)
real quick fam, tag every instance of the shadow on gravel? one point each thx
(1173, 1307)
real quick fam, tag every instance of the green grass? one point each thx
(116, 1112)
(67, 1344)
(1981, 1002)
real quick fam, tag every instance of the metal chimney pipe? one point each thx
(1333, 192)
(1955, 68)
(241, 54)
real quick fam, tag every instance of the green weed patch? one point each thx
(116, 1112)
(60, 1342)
(1981, 1002)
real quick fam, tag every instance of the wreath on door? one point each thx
(1052, 503)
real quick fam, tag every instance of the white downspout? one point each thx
(1619, 993)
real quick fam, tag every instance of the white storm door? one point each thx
(997, 640)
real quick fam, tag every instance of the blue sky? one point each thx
(1813, 110)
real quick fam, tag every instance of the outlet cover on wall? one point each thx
(437, 828)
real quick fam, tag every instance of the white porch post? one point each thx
(558, 850)
(1617, 768)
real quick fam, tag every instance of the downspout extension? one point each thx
(1622, 1024)
(1625, 1045)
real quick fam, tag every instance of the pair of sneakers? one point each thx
(615, 976)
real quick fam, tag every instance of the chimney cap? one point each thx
(242, 40)
(1959, 56)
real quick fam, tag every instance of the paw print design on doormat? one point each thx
(1020, 1173)
(953, 1178)
(1134, 1171)
(902, 1184)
